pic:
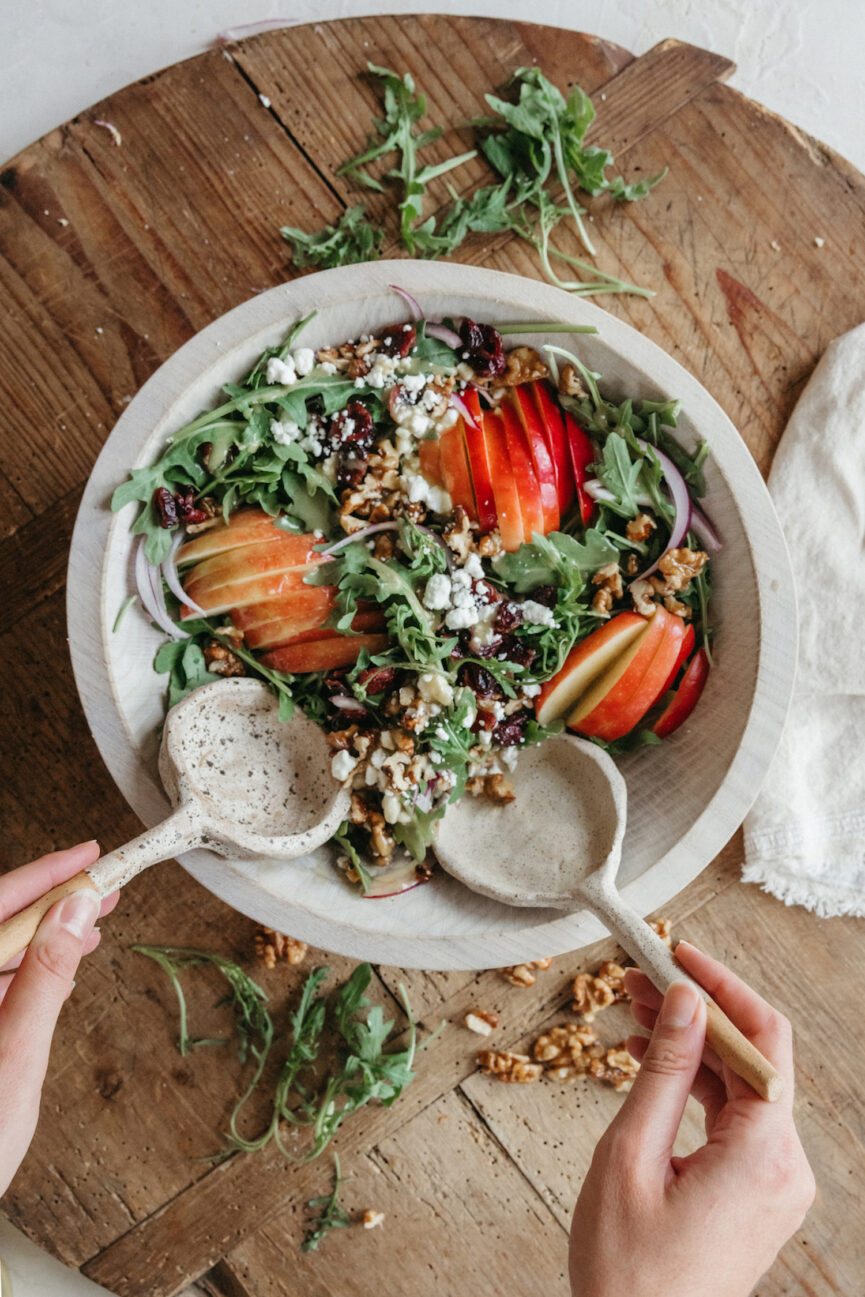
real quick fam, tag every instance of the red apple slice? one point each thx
(626, 691)
(553, 425)
(323, 654)
(276, 633)
(507, 498)
(684, 649)
(525, 477)
(247, 590)
(584, 664)
(686, 696)
(582, 454)
(245, 527)
(545, 469)
(279, 554)
(429, 454)
(455, 469)
(479, 465)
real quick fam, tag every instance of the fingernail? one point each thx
(79, 912)
(680, 1005)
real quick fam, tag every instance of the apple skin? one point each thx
(553, 426)
(248, 589)
(686, 696)
(323, 654)
(479, 465)
(455, 469)
(507, 497)
(245, 527)
(585, 662)
(525, 408)
(685, 649)
(582, 454)
(293, 629)
(523, 471)
(625, 692)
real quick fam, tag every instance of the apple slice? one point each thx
(479, 465)
(582, 454)
(278, 554)
(245, 527)
(323, 654)
(525, 477)
(429, 454)
(455, 469)
(247, 589)
(291, 630)
(625, 692)
(685, 698)
(584, 664)
(684, 649)
(553, 425)
(545, 469)
(507, 497)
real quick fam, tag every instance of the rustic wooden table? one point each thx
(112, 256)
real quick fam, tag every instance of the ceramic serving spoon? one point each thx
(561, 849)
(243, 783)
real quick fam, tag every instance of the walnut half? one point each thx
(505, 1066)
(271, 947)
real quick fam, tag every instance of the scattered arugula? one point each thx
(331, 1216)
(534, 145)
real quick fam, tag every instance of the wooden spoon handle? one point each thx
(18, 931)
(645, 946)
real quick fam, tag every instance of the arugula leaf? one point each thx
(332, 1215)
(183, 660)
(350, 239)
(556, 559)
(620, 475)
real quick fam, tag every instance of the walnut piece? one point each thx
(522, 974)
(594, 993)
(373, 1219)
(664, 929)
(505, 1066)
(641, 527)
(221, 661)
(616, 1068)
(524, 365)
(570, 382)
(641, 596)
(496, 787)
(565, 1051)
(481, 1021)
(273, 947)
(680, 566)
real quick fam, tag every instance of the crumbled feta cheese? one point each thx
(304, 360)
(379, 757)
(406, 696)
(537, 614)
(435, 688)
(386, 740)
(265, 101)
(341, 765)
(420, 491)
(281, 371)
(447, 420)
(461, 618)
(390, 808)
(419, 424)
(437, 595)
(328, 367)
(531, 691)
(414, 382)
(285, 432)
(474, 566)
(508, 757)
(382, 371)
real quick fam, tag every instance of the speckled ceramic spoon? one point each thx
(243, 783)
(559, 845)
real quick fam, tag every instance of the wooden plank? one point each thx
(40, 549)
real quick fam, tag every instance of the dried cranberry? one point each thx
(187, 510)
(352, 427)
(508, 615)
(510, 731)
(484, 720)
(484, 349)
(485, 592)
(377, 679)
(517, 651)
(480, 681)
(489, 650)
(350, 471)
(545, 594)
(166, 506)
(397, 339)
(336, 680)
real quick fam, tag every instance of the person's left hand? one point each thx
(34, 987)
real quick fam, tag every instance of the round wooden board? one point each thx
(112, 257)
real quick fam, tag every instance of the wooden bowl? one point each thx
(686, 797)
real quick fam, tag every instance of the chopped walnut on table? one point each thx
(522, 974)
(616, 1068)
(274, 947)
(505, 1066)
(221, 661)
(567, 1051)
(664, 929)
(592, 993)
(373, 1219)
(482, 1022)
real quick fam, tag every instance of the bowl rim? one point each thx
(721, 815)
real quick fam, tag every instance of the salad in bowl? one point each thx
(443, 544)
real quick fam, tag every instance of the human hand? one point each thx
(34, 986)
(648, 1223)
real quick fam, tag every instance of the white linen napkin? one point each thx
(805, 837)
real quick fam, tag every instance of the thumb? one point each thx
(653, 1110)
(42, 984)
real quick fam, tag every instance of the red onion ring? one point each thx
(345, 703)
(445, 335)
(411, 302)
(681, 503)
(463, 410)
(148, 580)
(172, 580)
(358, 535)
(705, 529)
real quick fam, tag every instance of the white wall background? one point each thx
(803, 59)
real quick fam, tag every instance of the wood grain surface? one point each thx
(111, 257)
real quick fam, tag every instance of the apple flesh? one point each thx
(620, 698)
(585, 662)
(326, 653)
(455, 469)
(245, 527)
(507, 497)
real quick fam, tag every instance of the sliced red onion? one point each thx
(393, 880)
(594, 488)
(148, 580)
(358, 535)
(411, 302)
(678, 488)
(705, 529)
(424, 800)
(172, 580)
(463, 410)
(345, 703)
(232, 34)
(445, 335)
(483, 395)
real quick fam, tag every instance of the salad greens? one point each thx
(537, 147)
(331, 1216)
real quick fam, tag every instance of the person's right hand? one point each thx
(709, 1225)
(34, 987)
